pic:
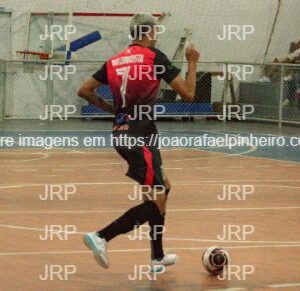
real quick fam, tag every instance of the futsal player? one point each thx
(145, 165)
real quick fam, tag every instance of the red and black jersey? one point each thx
(134, 76)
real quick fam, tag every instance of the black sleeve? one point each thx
(101, 75)
(170, 71)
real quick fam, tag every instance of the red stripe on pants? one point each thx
(149, 165)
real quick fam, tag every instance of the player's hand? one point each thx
(192, 54)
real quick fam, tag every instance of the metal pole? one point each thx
(281, 96)
(224, 97)
(3, 81)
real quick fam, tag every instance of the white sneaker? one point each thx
(98, 246)
(167, 260)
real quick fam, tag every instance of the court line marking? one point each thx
(283, 285)
(231, 289)
(44, 157)
(178, 183)
(63, 170)
(133, 183)
(287, 243)
(220, 155)
(43, 184)
(270, 159)
(20, 168)
(98, 164)
(232, 241)
(169, 210)
(137, 250)
(48, 176)
(245, 180)
(100, 170)
(26, 166)
(236, 209)
(292, 165)
(264, 166)
(25, 170)
(195, 183)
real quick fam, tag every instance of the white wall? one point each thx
(204, 17)
(5, 36)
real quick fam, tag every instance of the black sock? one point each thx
(131, 219)
(156, 233)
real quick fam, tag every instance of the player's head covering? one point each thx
(140, 24)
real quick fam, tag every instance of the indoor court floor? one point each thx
(194, 219)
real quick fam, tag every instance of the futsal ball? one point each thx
(215, 259)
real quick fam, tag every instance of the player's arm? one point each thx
(186, 87)
(87, 92)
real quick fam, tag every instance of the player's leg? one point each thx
(161, 198)
(160, 188)
(167, 184)
(144, 167)
(157, 223)
(157, 229)
(131, 219)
